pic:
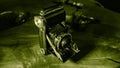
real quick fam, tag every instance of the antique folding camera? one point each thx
(54, 35)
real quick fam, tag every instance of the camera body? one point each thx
(54, 35)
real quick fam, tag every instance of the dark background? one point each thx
(111, 4)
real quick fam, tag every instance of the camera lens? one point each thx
(65, 42)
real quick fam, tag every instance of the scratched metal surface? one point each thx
(99, 43)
